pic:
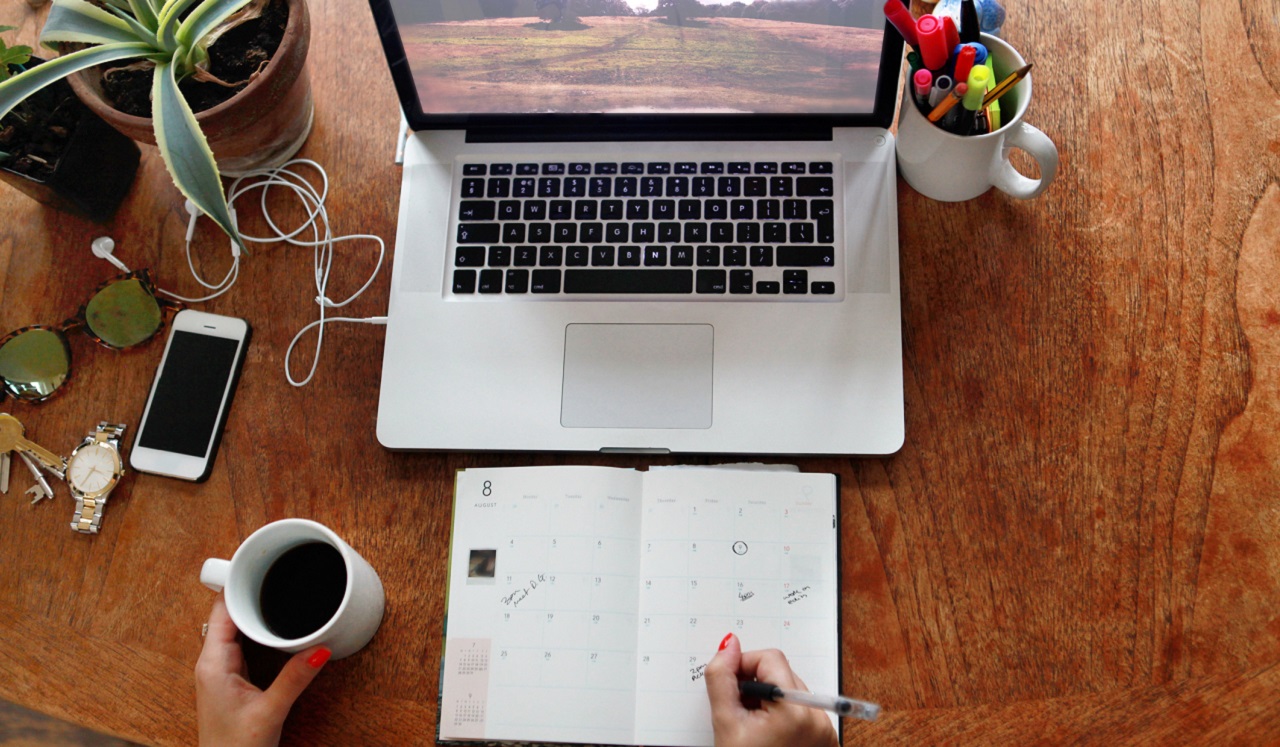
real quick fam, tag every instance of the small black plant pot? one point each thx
(84, 166)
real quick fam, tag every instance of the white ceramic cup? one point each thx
(951, 168)
(240, 579)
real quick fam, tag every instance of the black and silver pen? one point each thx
(837, 704)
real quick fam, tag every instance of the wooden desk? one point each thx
(1080, 539)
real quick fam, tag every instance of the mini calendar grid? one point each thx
(614, 587)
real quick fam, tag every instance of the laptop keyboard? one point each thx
(762, 230)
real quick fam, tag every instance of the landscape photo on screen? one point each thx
(642, 56)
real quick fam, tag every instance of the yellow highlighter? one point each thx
(979, 78)
(993, 109)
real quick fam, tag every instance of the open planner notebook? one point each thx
(585, 602)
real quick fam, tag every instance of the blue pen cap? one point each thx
(979, 52)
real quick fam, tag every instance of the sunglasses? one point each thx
(122, 313)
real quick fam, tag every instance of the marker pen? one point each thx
(979, 79)
(837, 704)
(942, 86)
(902, 20)
(953, 36)
(964, 62)
(970, 31)
(933, 42)
(923, 80)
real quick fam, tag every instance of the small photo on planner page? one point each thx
(584, 603)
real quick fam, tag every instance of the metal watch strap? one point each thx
(88, 516)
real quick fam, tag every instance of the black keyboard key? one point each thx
(735, 255)
(664, 209)
(775, 233)
(606, 168)
(729, 186)
(575, 186)
(795, 282)
(806, 256)
(469, 256)
(793, 167)
(509, 210)
(637, 210)
(768, 209)
(617, 233)
(611, 209)
(748, 233)
(739, 167)
(629, 256)
(761, 256)
(695, 233)
(660, 168)
(815, 186)
(686, 167)
(586, 210)
(490, 281)
(715, 209)
(553, 168)
(690, 210)
(682, 256)
(766, 167)
(712, 281)
(561, 210)
(550, 256)
(740, 281)
(802, 233)
(517, 281)
(600, 186)
(539, 233)
(703, 186)
(741, 210)
(577, 256)
(526, 256)
(474, 169)
(478, 233)
(677, 186)
(477, 210)
(722, 233)
(473, 188)
(464, 281)
(643, 233)
(820, 167)
(500, 169)
(592, 233)
(768, 287)
(579, 168)
(628, 281)
(545, 281)
(712, 167)
(795, 210)
(535, 209)
(651, 186)
(668, 233)
(498, 187)
(633, 168)
(525, 187)
(780, 186)
(527, 169)
(548, 186)
(708, 256)
(824, 215)
(565, 233)
(655, 256)
(755, 186)
(823, 288)
(626, 186)
(499, 256)
(602, 256)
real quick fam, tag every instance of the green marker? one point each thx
(913, 59)
(979, 79)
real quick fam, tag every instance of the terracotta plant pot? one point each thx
(262, 126)
(94, 170)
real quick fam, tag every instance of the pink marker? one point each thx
(924, 83)
(933, 48)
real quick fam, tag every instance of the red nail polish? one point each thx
(318, 659)
(725, 642)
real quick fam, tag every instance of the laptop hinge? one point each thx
(625, 133)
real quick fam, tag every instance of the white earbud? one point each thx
(102, 247)
(194, 212)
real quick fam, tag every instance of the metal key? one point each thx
(11, 439)
(41, 489)
(4, 473)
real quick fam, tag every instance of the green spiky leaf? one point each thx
(19, 87)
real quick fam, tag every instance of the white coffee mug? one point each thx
(240, 580)
(951, 168)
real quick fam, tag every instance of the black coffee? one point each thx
(303, 589)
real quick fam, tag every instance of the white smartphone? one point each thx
(182, 422)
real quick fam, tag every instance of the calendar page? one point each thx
(585, 602)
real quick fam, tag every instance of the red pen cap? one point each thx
(933, 42)
(964, 62)
(953, 34)
(924, 82)
(902, 20)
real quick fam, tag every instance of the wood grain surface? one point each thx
(1079, 542)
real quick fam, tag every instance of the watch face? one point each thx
(93, 468)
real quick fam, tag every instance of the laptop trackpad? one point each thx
(637, 376)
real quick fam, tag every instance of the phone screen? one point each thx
(184, 408)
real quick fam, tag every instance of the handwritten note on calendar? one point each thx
(585, 602)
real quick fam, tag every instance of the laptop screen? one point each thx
(494, 61)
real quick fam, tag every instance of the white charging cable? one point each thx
(322, 242)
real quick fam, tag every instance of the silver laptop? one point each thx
(644, 226)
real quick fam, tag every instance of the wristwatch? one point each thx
(93, 470)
